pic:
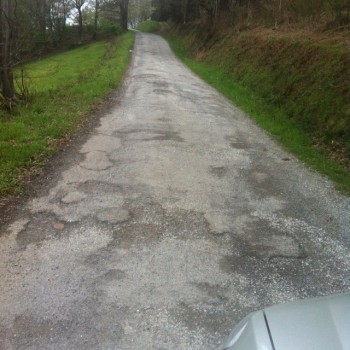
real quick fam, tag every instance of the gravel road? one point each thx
(175, 218)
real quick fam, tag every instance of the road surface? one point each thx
(175, 218)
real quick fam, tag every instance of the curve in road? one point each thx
(178, 217)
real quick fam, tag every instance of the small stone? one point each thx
(58, 226)
(96, 160)
(113, 215)
(73, 197)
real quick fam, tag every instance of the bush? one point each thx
(109, 28)
(149, 26)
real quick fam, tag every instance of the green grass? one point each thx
(149, 26)
(287, 131)
(65, 88)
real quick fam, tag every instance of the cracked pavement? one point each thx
(177, 217)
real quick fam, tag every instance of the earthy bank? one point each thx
(298, 84)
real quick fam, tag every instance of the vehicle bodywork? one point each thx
(321, 323)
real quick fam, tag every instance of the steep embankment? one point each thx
(305, 78)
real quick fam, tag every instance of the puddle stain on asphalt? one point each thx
(176, 219)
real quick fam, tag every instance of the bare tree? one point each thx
(139, 11)
(96, 14)
(6, 41)
(78, 5)
(123, 8)
(59, 10)
(39, 11)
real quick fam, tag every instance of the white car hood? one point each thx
(321, 324)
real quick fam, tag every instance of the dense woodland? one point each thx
(315, 13)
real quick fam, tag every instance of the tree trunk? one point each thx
(97, 5)
(123, 5)
(80, 25)
(41, 8)
(185, 5)
(6, 74)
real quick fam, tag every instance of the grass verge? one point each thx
(269, 117)
(149, 26)
(65, 88)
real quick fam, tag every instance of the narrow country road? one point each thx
(175, 219)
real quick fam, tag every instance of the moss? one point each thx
(310, 80)
(296, 89)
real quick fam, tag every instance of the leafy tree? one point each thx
(139, 11)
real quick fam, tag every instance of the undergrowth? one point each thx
(149, 26)
(262, 94)
(64, 87)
